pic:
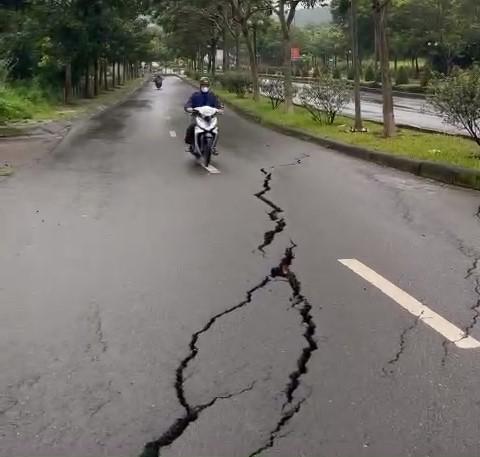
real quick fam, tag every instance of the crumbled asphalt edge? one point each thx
(289, 408)
(387, 370)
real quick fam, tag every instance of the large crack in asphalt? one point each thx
(280, 223)
(291, 406)
(192, 412)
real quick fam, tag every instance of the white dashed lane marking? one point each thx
(413, 306)
(212, 170)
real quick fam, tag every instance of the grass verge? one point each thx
(435, 147)
(21, 111)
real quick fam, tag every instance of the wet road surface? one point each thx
(297, 302)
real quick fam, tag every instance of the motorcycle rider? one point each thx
(204, 97)
(158, 80)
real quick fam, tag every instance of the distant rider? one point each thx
(203, 97)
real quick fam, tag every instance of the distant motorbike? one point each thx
(158, 83)
(206, 132)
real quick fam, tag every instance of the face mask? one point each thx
(204, 89)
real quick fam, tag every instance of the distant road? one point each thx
(409, 111)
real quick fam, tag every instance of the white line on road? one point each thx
(211, 169)
(412, 305)
(173, 134)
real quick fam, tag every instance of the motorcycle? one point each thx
(158, 84)
(205, 132)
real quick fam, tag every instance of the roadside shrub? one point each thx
(426, 77)
(236, 82)
(192, 74)
(13, 106)
(325, 98)
(337, 74)
(370, 73)
(402, 76)
(316, 72)
(412, 88)
(457, 99)
(274, 89)
(350, 74)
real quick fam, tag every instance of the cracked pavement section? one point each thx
(388, 370)
(290, 407)
(280, 223)
(192, 412)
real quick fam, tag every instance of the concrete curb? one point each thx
(448, 174)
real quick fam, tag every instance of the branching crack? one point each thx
(280, 223)
(299, 302)
(473, 268)
(475, 308)
(153, 448)
(284, 420)
(403, 344)
(192, 412)
(180, 372)
(290, 407)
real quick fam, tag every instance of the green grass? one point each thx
(408, 143)
(24, 105)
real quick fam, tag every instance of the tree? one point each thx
(325, 98)
(457, 98)
(358, 126)
(285, 11)
(380, 8)
(242, 11)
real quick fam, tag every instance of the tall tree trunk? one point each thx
(380, 13)
(114, 82)
(287, 71)
(417, 67)
(377, 54)
(68, 83)
(105, 74)
(124, 70)
(100, 74)
(253, 61)
(395, 63)
(119, 74)
(213, 52)
(225, 62)
(96, 79)
(87, 81)
(356, 67)
(237, 50)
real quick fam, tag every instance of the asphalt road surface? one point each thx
(291, 301)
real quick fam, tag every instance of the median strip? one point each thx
(445, 158)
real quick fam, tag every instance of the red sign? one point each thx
(295, 53)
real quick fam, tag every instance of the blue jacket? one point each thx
(198, 99)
